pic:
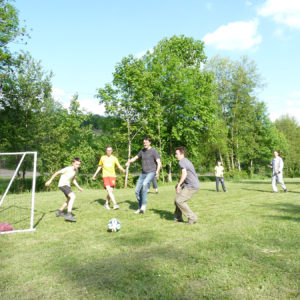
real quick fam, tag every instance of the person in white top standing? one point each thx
(219, 173)
(68, 175)
(277, 172)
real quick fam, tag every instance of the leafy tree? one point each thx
(291, 130)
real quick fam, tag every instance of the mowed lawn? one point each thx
(246, 245)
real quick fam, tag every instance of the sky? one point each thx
(82, 41)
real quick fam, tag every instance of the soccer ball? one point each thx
(114, 225)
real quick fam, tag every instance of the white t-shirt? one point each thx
(219, 171)
(68, 174)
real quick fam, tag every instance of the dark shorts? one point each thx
(66, 190)
(109, 181)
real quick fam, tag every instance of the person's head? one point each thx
(219, 163)
(276, 153)
(76, 162)
(180, 153)
(109, 150)
(147, 142)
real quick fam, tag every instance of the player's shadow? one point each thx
(132, 204)
(99, 201)
(257, 190)
(164, 214)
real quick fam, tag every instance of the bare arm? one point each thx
(121, 168)
(52, 178)
(131, 160)
(96, 173)
(182, 179)
(158, 167)
(77, 185)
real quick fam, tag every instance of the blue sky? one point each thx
(82, 41)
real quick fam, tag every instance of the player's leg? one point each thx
(148, 178)
(217, 183)
(274, 181)
(66, 191)
(69, 216)
(223, 184)
(177, 213)
(109, 190)
(181, 199)
(155, 186)
(138, 191)
(281, 182)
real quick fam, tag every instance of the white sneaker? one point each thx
(137, 211)
(106, 206)
(116, 206)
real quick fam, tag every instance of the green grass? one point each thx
(245, 246)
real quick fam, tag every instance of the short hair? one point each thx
(109, 147)
(76, 159)
(182, 150)
(146, 138)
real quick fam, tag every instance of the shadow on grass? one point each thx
(99, 201)
(287, 208)
(132, 204)
(164, 214)
(256, 190)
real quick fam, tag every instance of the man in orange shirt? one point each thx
(107, 163)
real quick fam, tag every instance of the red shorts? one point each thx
(111, 181)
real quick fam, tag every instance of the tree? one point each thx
(182, 103)
(126, 98)
(291, 130)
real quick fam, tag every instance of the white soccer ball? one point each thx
(114, 225)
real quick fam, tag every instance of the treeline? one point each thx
(173, 94)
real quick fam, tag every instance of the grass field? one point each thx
(245, 246)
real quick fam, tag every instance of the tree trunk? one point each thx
(220, 156)
(170, 172)
(129, 153)
(162, 169)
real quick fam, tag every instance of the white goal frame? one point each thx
(31, 228)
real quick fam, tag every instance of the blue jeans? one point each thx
(141, 189)
(222, 182)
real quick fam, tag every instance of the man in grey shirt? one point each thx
(187, 186)
(150, 169)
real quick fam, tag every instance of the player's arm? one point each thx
(53, 176)
(158, 162)
(96, 173)
(131, 160)
(120, 167)
(77, 185)
(181, 181)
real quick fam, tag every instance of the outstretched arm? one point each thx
(158, 167)
(96, 173)
(52, 178)
(77, 185)
(121, 168)
(131, 160)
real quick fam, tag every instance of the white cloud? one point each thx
(282, 11)
(292, 112)
(141, 54)
(87, 104)
(92, 106)
(234, 36)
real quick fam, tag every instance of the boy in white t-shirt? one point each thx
(219, 173)
(68, 175)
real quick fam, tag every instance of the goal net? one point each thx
(17, 191)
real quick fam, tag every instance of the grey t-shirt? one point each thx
(149, 158)
(191, 181)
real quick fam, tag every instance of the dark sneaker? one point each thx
(59, 213)
(70, 218)
(285, 190)
(178, 220)
(141, 211)
(191, 222)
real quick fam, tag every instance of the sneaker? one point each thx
(285, 190)
(191, 221)
(59, 213)
(141, 211)
(106, 206)
(116, 206)
(69, 217)
(178, 220)
(137, 211)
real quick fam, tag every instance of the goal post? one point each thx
(17, 190)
